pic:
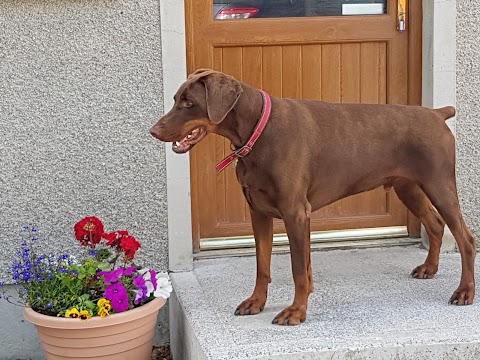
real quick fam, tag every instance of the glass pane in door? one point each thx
(246, 9)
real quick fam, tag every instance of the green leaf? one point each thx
(89, 304)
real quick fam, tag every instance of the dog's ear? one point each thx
(222, 93)
(200, 73)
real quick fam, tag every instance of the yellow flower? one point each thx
(102, 301)
(85, 315)
(72, 313)
(107, 307)
(102, 312)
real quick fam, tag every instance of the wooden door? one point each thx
(361, 59)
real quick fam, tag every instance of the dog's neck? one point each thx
(240, 122)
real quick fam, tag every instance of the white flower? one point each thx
(164, 285)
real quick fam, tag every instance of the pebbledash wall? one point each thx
(82, 81)
(80, 86)
(468, 111)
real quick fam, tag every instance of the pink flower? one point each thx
(112, 276)
(113, 290)
(119, 302)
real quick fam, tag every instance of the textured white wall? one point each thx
(468, 111)
(80, 87)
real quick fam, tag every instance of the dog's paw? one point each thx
(251, 306)
(424, 271)
(463, 295)
(292, 315)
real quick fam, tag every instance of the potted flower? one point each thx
(100, 306)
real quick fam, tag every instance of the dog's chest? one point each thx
(257, 190)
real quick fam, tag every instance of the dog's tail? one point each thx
(446, 112)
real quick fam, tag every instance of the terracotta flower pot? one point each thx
(124, 336)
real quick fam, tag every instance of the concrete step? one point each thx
(365, 306)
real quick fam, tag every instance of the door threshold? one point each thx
(315, 237)
(332, 245)
(320, 240)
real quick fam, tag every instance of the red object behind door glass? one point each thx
(236, 13)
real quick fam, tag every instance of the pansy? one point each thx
(102, 301)
(103, 307)
(72, 313)
(84, 315)
(102, 312)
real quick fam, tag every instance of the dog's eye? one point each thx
(188, 104)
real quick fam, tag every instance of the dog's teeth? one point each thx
(177, 143)
(189, 136)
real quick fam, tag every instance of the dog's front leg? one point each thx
(298, 231)
(263, 232)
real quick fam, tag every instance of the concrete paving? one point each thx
(365, 306)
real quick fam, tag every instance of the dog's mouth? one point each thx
(184, 145)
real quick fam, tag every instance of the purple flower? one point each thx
(113, 290)
(139, 281)
(140, 295)
(141, 292)
(93, 252)
(129, 270)
(153, 279)
(48, 304)
(111, 276)
(119, 302)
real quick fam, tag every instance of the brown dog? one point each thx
(335, 150)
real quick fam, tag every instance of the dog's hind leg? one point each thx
(263, 232)
(442, 191)
(418, 203)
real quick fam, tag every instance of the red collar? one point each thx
(245, 150)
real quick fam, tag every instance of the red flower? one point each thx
(114, 238)
(89, 231)
(129, 246)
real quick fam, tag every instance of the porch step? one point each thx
(365, 306)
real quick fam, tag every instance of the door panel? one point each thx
(360, 59)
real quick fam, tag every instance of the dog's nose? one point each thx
(154, 132)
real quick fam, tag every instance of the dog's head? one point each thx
(201, 103)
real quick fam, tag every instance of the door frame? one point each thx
(437, 84)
